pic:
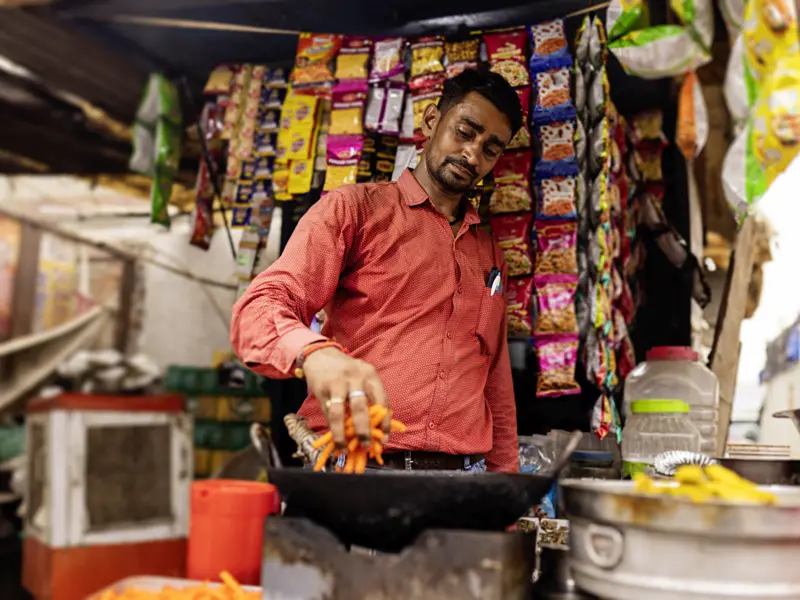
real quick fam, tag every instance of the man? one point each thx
(413, 292)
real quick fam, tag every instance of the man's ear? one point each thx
(430, 118)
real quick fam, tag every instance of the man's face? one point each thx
(464, 143)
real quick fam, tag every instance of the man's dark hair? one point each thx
(488, 84)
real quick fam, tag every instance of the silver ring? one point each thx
(356, 394)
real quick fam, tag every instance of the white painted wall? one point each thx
(185, 322)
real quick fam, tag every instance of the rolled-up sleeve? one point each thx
(271, 320)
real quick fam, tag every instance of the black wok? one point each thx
(387, 510)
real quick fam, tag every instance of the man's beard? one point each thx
(448, 181)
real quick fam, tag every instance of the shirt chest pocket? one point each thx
(490, 322)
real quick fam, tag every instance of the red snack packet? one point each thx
(512, 235)
(558, 355)
(522, 139)
(557, 243)
(555, 297)
(512, 186)
(507, 56)
(315, 54)
(519, 295)
(203, 215)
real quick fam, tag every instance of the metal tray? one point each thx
(148, 583)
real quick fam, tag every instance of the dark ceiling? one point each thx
(99, 50)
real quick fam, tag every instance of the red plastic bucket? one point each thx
(226, 532)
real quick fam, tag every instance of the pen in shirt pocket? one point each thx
(495, 281)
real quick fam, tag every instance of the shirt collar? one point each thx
(413, 194)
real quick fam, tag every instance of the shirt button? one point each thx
(442, 374)
(460, 289)
(449, 335)
(431, 425)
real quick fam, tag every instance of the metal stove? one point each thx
(303, 561)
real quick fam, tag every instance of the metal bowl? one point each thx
(629, 546)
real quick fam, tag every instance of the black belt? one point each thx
(427, 461)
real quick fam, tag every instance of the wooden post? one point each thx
(127, 286)
(725, 354)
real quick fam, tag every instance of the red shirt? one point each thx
(401, 293)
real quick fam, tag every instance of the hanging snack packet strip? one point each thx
(388, 60)
(519, 295)
(203, 216)
(557, 190)
(347, 109)
(553, 83)
(506, 54)
(557, 248)
(315, 54)
(462, 55)
(512, 235)
(548, 40)
(555, 297)
(427, 59)
(344, 153)
(512, 191)
(352, 62)
(558, 356)
(555, 131)
(522, 139)
(304, 128)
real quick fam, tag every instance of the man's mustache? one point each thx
(461, 163)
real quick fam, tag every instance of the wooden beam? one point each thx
(725, 353)
(24, 302)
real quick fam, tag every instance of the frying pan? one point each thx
(765, 471)
(387, 510)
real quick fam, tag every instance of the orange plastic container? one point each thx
(226, 531)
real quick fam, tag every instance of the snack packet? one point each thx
(599, 149)
(276, 78)
(377, 158)
(557, 190)
(427, 57)
(352, 62)
(581, 147)
(598, 96)
(506, 54)
(555, 298)
(301, 175)
(553, 83)
(315, 54)
(347, 109)
(512, 191)
(462, 55)
(605, 418)
(558, 355)
(582, 43)
(522, 139)
(512, 235)
(385, 107)
(555, 131)
(548, 40)
(648, 162)
(219, 81)
(343, 155)
(388, 61)
(519, 295)
(280, 184)
(557, 244)
(647, 126)
(662, 50)
(420, 100)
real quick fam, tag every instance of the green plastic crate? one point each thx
(199, 381)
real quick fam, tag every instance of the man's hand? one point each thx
(337, 379)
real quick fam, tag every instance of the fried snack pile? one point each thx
(229, 590)
(701, 484)
(357, 456)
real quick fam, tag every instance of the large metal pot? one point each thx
(629, 546)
